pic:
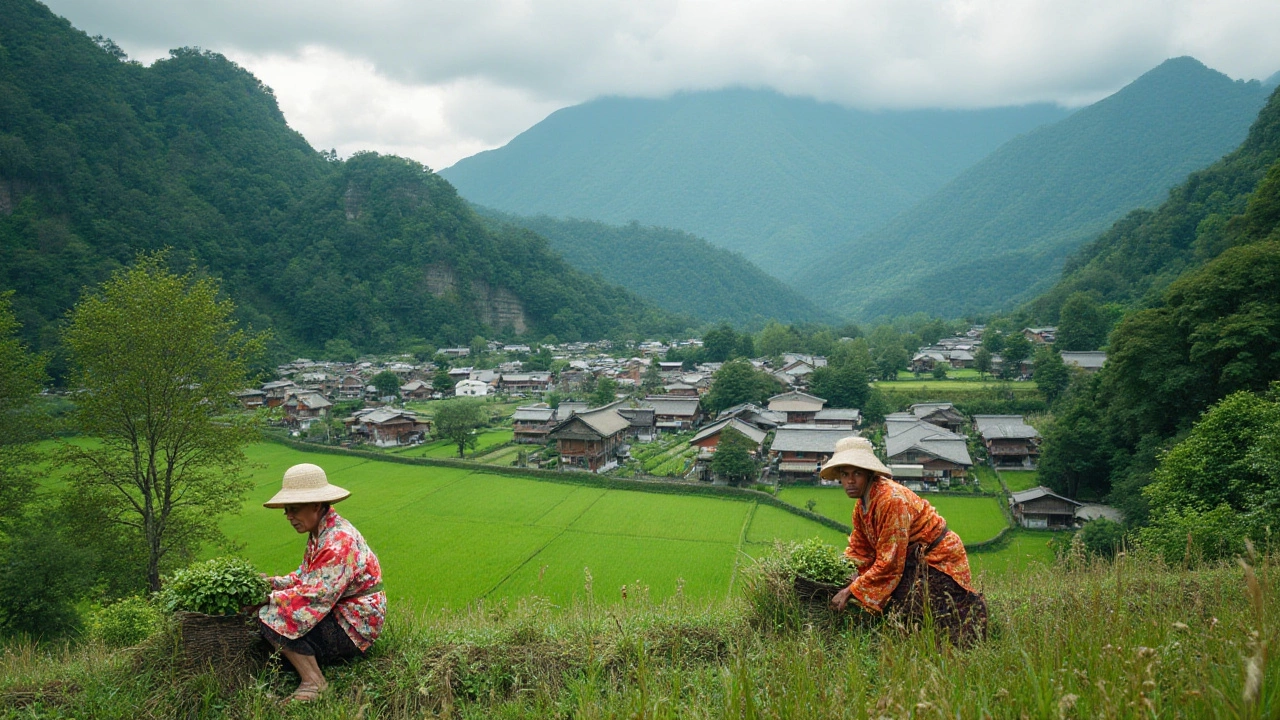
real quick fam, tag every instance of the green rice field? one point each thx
(485, 440)
(1022, 550)
(1017, 480)
(448, 536)
(974, 519)
(955, 386)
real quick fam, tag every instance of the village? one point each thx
(626, 412)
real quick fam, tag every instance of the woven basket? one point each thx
(227, 645)
(818, 593)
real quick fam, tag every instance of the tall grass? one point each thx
(1128, 639)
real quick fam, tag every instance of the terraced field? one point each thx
(974, 519)
(485, 440)
(1020, 479)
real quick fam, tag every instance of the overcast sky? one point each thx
(440, 80)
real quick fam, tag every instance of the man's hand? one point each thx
(840, 600)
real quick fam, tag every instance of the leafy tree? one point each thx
(1082, 324)
(843, 386)
(387, 384)
(1077, 450)
(1102, 537)
(1051, 374)
(993, 340)
(732, 459)
(606, 392)
(158, 356)
(1221, 483)
(442, 381)
(340, 350)
(982, 361)
(746, 346)
(651, 380)
(44, 571)
(720, 344)
(456, 420)
(939, 372)
(21, 374)
(1016, 349)
(552, 399)
(776, 339)
(479, 346)
(737, 381)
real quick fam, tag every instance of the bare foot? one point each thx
(306, 692)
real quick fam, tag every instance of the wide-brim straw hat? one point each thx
(306, 483)
(856, 452)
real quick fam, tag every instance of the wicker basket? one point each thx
(817, 593)
(227, 645)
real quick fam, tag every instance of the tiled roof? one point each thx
(1036, 493)
(796, 401)
(808, 438)
(751, 431)
(930, 439)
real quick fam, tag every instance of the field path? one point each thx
(544, 545)
(742, 540)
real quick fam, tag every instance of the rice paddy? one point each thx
(1017, 480)
(974, 519)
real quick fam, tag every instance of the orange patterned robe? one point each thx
(894, 519)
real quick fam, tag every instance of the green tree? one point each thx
(939, 371)
(732, 459)
(387, 384)
(457, 419)
(982, 361)
(993, 340)
(157, 357)
(442, 382)
(21, 375)
(479, 346)
(1082, 324)
(842, 386)
(1016, 349)
(651, 379)
(1102, 537)
(1077, 450)
(737, 382)
(1221, 484)
(606, 392)
(720, 344)
(1051, 374)
(340, 350)
(776, 339)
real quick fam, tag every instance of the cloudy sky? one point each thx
(438, 80)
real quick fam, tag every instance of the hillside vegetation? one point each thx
(997, 234)
(101, 158)
(781, 180)
(672, 269)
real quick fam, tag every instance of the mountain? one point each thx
(778, 179)
(674, 270)
(1221, 206)
(101, 158)
(997, 234)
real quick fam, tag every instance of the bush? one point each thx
(1102, 537)
(124, 623)
(820, 562)
(220, 586)
(43, 574)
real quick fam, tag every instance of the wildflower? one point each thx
(1180, 626)
(1066, 704)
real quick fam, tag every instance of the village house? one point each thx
(708, 438)
(944, 454)
(1041, 335)
(679, 389)
(416, 390)
(305, 407)
(942, 414)
(1009, 440)
(455, 352)
(643, 423)
(532, 424)
(350, 387)
(801, 449)
(591, 440)
(387, 427)
(276, 392)
(755, 415)
(471, 388)
(251, 399)
(913, 478)
(1091, 361)
(847, 418)
(800, 407)
(1042, 509)
(524, 382)
(674, 413)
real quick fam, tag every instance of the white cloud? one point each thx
(437, 79)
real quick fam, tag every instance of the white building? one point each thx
(471, 388)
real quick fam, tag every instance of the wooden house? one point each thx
(590, 440)
(1042, 509)
(799, 407)
(387, 427)
(708, 438)
(848, 418)
(944, 454)
(305, 407)
(532, 424)
(801, 449)
(251, 399)
(1009, 440)
(674, 413)
(416, 390)
(1091, 361)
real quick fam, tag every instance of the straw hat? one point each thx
(306, 483)
(855, 451)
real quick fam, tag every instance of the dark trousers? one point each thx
(327, 642)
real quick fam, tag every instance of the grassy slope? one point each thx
(1019, 479)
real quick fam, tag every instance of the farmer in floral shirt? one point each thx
(907, 559)
(332, 607)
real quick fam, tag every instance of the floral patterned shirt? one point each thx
(894, 519)
(338, 570)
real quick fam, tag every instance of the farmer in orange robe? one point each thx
(907, 559)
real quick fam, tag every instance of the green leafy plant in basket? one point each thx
(820, 562)
(221, 586)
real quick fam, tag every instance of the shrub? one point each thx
(220, 586)
(820, 562)
(1102, 537)
(124, 623)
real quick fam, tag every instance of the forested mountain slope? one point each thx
(673, 269)
(776, 178)
(102, 158)
(1133, 261)
(998, 233)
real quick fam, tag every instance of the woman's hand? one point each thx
(840, 600)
